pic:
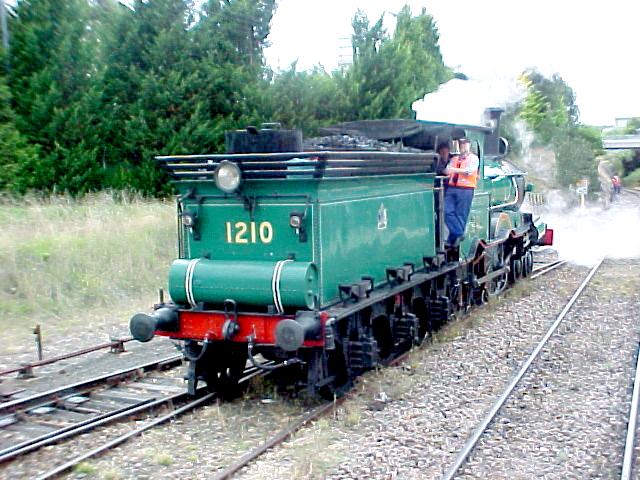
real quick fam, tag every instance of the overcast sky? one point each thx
(592, 45)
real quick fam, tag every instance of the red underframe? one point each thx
(208, 326)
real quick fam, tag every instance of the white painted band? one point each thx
(275, 284)
(188, 282)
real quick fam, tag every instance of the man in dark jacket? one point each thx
(444, 154)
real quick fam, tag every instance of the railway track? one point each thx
(633, 191)
(628, 460)
(489, 418)
(327, 407)
(546, 268)
(40, 419)
(123, 438)
(285, 433)
(58, 415)
(26, 369)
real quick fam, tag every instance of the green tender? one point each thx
(354, 227)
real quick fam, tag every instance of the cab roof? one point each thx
(401, 130)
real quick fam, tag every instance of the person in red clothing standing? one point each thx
(617, 184)
(463, 178)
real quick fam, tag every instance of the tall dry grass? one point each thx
(66, 262)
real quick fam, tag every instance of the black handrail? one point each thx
(301, 164)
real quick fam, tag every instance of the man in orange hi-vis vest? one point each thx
(463, 178)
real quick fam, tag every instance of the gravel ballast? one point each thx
(404, 422)
(567, 418)
(409, 422)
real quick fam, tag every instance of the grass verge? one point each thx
(66, 263)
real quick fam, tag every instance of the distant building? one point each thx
(622, 122)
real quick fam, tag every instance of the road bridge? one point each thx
(621, 142)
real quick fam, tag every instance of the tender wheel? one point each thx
(527, 264)
(218, 365)
(421, 311)
(481, 296)
(516, 270)
(384, 336)
(222, 374)
(192, 379)
(338, 380)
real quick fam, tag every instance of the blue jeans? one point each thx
(457, 204)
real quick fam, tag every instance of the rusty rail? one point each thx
(285, 433)
(26, 369)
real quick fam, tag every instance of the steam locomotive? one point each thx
(328, 258)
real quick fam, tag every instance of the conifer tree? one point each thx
(17, 157)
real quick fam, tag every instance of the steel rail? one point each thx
(53, 395)
(72, 430)
(543, 265)
(26, 367)
(462, 456)
(285, 433)
(123, 438)
(236, 466)
(250, 373)
(627, 461)
(273, 441)
(57, 436)
(546, 268)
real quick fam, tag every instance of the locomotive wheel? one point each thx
(455, 295)
(516, 270)
(498, 284)
(484, 296)
(527, 264)
(480, 296)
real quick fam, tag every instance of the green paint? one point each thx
(355, 227)
(248, 283)
(347, 236)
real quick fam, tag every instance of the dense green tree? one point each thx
(55, 58)
(100, 87)
(549, 105)
(550, 110)
(306, 100)
(632, 126)
(390, 73)
(176, 79)
(51, 54)
(17, 157)
(575, 159)
(387, 75)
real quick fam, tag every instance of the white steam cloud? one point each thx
(464, 101)
(583, 236)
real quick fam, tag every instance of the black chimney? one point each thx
(492, 142)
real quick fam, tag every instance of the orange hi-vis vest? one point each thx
(463, 180)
